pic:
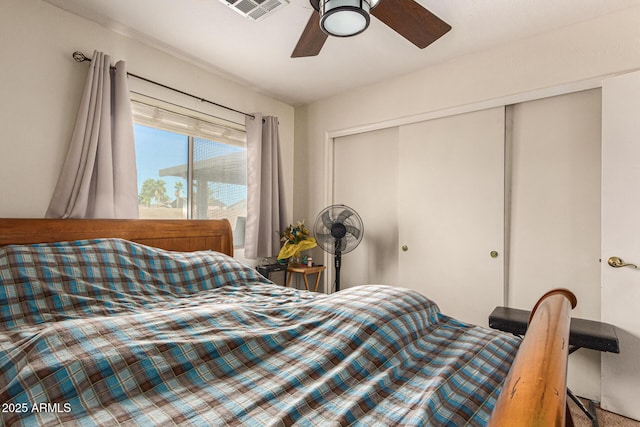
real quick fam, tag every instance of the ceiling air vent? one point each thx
(255, 9)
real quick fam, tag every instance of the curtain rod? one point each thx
(81, 57)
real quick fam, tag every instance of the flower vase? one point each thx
(295, 259)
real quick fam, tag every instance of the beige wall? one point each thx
(41, 85)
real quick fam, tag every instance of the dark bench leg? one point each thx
(591, 412)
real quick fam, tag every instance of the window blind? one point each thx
(170, 117)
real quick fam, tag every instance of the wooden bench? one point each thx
(583, 333)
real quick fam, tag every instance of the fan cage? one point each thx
(332, 215)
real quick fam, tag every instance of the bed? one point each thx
(152, 322)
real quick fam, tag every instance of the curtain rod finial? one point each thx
(79, 57)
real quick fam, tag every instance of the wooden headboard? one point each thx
(170, 234)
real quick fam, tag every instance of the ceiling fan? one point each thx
(345, 18)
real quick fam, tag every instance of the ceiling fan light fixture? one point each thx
(344, 18)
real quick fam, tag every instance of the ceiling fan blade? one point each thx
(312, 38)
(411, 21)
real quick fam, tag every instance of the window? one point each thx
(190, 166)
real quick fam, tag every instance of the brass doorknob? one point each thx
(616, 262)
(405, 248)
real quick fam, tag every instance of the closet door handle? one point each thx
(616, 262)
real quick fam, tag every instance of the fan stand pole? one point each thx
(337, 259)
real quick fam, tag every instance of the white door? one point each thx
(451, 212)
(621, 238)
(365, 178)
(554, 222)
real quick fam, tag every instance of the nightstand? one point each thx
(277, 273)
(305, 271)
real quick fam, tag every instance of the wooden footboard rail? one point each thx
(535, 390)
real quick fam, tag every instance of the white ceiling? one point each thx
(257, 53)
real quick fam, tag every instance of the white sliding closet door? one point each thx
(451, 212)
(554, 240)
(366, 179)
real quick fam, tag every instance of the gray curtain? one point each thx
(99, 178)
(265, 188)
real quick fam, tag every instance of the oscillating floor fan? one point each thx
(338, 230)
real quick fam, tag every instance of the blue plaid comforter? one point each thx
(108, 332)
